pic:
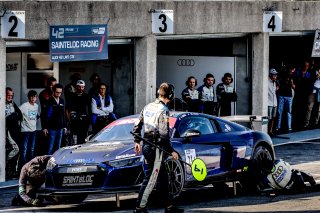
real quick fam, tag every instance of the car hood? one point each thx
(94, 152)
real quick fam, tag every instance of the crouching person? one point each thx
(32, 176)
(282, 178)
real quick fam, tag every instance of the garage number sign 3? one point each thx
(162, 22)
(198, 169)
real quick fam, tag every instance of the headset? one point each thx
(226, 75)
(169, 91)
(191, 77)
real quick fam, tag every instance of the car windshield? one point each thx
(119, 132)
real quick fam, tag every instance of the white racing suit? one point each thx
(154, 118)
(283, 177)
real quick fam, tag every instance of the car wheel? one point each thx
(256, 167)
(260, 155)
(175, 175)
(68, 199)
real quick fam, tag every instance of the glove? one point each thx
(36, 202)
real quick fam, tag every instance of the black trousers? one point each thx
(79, 127)
(154, 161)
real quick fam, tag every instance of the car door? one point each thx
(208, 145)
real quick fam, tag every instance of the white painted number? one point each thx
(13, 24)
(272, 21)
(162, 21)
(59, 33)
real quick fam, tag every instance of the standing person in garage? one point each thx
(304, 98)
(207, 95)
(70, 88)
(30, 115)
(54, 124)
(101, 109)
(47, 92)
(285, 96)
(225, 95)
(272, 99)
(78, 113)
(13, 117)
(95, 81)
(190, 95)
(154, 120)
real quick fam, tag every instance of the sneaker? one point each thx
(289, 130)
(173, 209)
(140, 210)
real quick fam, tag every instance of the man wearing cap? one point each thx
(78, 113)
(272, 99)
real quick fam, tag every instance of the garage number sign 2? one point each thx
(162, 22)
(272, 21)
(13, 24)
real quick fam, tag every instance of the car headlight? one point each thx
(51, 163)
(125, 162)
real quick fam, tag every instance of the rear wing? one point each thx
(247, 118)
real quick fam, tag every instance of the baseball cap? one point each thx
(273, 71)
(81, 83)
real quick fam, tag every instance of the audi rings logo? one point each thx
(186, 62)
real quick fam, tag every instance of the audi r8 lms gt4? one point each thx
(107, 163)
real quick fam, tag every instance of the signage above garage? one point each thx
(13, 24)
(78, 43)
(316, 44)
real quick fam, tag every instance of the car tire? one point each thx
(67, 199)
(176, 176)
(254, 174)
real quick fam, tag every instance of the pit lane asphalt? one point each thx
(303, 156)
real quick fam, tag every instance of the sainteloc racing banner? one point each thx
(78, 42)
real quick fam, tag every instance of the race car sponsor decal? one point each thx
(190, 155)
(123, 121)
(125, 156)
(78, 180)
(77, 169)
(81, 160)
(172, 122)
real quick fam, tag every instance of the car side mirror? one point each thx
(88, 138)
(191, 133)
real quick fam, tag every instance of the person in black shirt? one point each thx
(78, 113)
(54, 125)
(285, 96)
(225, 95)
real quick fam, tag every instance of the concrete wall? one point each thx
(145, 76)
(133, 19)
(2, 109)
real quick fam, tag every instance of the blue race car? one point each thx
(107, 163)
